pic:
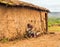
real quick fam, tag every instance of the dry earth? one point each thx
(49, 40)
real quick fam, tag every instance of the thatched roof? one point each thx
(21, 3)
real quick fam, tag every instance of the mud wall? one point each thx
(44, 21)
(13, 21)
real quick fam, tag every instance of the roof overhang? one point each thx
(22, 4)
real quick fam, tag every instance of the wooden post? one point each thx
(46, 18)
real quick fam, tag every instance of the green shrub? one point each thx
(5, 40)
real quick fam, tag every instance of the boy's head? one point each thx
(29, 26)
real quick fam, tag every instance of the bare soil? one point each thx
(48, 40)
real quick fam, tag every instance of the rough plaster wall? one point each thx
(43, 21)
(3, 22)
(13, 22)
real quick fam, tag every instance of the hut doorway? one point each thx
(46, 21)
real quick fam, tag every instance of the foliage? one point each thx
(53, 22)
(4, 40)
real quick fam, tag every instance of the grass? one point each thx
(4, 40)
(54, 28)
(54, 24)
(53, 21)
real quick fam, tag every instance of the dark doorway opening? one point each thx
(46, 19)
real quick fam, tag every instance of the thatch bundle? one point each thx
(21, 3)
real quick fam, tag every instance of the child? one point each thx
(29, 31)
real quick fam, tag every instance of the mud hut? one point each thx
(15, 15)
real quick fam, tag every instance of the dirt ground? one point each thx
(49, 40)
